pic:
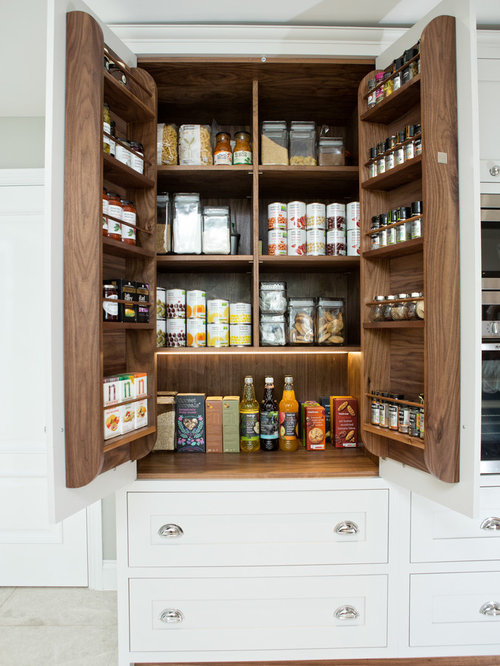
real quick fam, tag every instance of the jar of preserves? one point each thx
(123, 153)
(106, 128)
(109, 308)
(137, 156)
(222, 151)
(242, 150)
(399, 311)
(129, 215)
(389, 304)
(105, 211)
(412, 305)
(377, 309)
(115, 213)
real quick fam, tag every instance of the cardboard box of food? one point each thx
(111, 390)
(113, 421)
(213, 413)
(344, 420)
(165, 421)
(128, 417)
(231, 424)
(302, 424)
(190, 422)
(141, 413)
(324, 401)
(315, 427)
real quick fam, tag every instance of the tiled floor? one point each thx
(57, 627)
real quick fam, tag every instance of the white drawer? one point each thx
(450, 609)
(490, 171)
(441, 535)
(250, 528)
(258, 613)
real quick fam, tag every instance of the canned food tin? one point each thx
(218, 335)
(316, 242)
(176, 304)
(196, 307)
(240, 313)
(276, 216)
(296, 215)
(353, 242)
(161, 332)
(240, 335)
(315, 216)
(195, 333)
(217, 312)
(353, 215)
(176, 332)
(297, 242)
(161, 303)
(277, 242)
(336, 243)
(335, 216)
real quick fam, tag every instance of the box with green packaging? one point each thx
(231, 424)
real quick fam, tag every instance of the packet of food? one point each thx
(166, 143)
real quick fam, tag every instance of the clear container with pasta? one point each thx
(166, 143)
(195, 145)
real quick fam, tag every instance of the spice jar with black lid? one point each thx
(371, 93)
(382, 234)
(372, 166)
(399, 151)
(137, 157)
(397, 77)
(391, 232)
(394, 411)
(403, 231)
(374, 238)
(388, 83)
(416, 225)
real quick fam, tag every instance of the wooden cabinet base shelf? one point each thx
(390, 108)
(131, 436)
(257, 350)
(399, 175)
(394, 435)
(398, 250)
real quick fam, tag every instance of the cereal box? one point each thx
(128, 417)
(141, 384)
(141, 414)
(344, 420)
(190, 422)
(231, 424)
(315, 427)
(113, 421)
(111, 389)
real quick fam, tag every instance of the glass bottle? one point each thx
(249, 418)
(106, 127)
(269, 418)
(289, 412)
(242, 151)
(222, 150)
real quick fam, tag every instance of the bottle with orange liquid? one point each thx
(289, 418)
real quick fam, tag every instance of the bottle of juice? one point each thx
(269, 419)
(249, 418)
(289, 418)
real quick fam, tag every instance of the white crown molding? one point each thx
(488, 43)
(18, 177)
(255, 40)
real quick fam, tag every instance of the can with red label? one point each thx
(296, 213)
(353, 215)
(277, 242)
(297, 242)
(353, 242)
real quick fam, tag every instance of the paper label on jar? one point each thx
(277, 242)
(137, 163)
(276, 216)
(115, 211)
(315, 216)
(128, 233)
(114, 227)
(223, 157)
(297, 242)
(353, 242)
(122, 154)
(296, 214)
(242, 157)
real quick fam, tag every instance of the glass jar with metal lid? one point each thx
(375, 409)
(374, 238)
(106, 128)
(403, 231)
(389, 304)
(412, 305)
(137, 156)
(399, 310)
(391, 232)
(242, 153)
(377, 309)
(382, 234)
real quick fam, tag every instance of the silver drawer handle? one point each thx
(491, 523)
(490, 608)
(347, 527)
(171, 616)
(171, 531)
(495, 170)
(346, 613)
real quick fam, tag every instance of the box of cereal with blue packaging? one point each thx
(190, 422)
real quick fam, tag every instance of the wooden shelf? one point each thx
(258, 350)
(213, 263)
(132, 436)
(399, 175)
(300, 464)
(398, 250)
(390, 108)
(394, 435)
(231, 181)
(308, 264)
(306, 182)
(126, 326)
(394, 324)
(119, 249)
(121, 174)
(123, 102)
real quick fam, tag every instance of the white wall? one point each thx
(22, 142)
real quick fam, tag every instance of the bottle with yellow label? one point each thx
(249, 418)
(289, 418)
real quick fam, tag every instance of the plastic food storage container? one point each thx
(330, 321)
(331, 151)
(272, 330)
(303, 143)
(163, 228)
(186, 227)
(274, 142)
(273, 297)
(216, 230)
(301, 321)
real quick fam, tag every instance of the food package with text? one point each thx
(344, 420)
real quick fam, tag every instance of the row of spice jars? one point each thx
(394, 150)
(399, 72)
(135, 297)
(383, 233)
(119, 218)
(127, 152)
(397, 307)
(397, 416)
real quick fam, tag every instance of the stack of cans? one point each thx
(240, 324)
(277, 230)
(336, 242)
(353, 229)
(218, 323)
(296, 228)
(176, 318)
(316, 229)
(161, 317)
(196, 318)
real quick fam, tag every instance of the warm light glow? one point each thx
(249, 352)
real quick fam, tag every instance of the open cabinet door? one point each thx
(82, 470)
(439, 356)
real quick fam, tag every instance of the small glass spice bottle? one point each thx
(112, 141)
(377, 309)
(394, 411)
(397, 77)
(399, 311)
(389, 304)
(137, 157)
(242, 150)
(382, 234)
(417, 224)
(402, 231)
(374, 238)
(384, 410)
(222, 151)
(388, 84)
(391, 232)
(404, 419)
(105, 210)
(412, 305)
(106, 128)
(372, 166)
(379, 91)
(399, 153)
(375, 409)
(371, 93)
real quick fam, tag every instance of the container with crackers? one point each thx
(330, 321)
(301, 321)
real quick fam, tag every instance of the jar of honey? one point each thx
(242, 150)
(222, 152)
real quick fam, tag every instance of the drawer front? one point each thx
(441, 535)
(455, 609)
(246, 529)
(258, 613)
(490, 171)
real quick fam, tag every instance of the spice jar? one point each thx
(222, 151)
(375, 238)
(123, 153)
(114, 211)
(381, 148)
(137, 157)
(371, 93)
(109, 309)
(112, 140)
(399, 311)
(416, 225)
(106, 128)
(396, 82)
(372, 165)
(404, 419)
(384, 410)
(242, 151)
(379, 91)
(420, 417)
(377, 309)
(382, 234)
(375, 409)
(403, 231)
(105, 211)
(129, 215)
(388, 84)
(391, 232)
(394, 411)
(389, 304)
(413, 422)
(399, 153)
(412, 305)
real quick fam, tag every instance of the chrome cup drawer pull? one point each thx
(491, 523)
(346, 613)
(170, 531)
(347, 527)
(490, 608)
(171, 616)
(495, 170)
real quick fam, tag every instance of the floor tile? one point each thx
(69, 606)
(5, 593)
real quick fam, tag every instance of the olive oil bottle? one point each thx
(269, 419)
(249, 418)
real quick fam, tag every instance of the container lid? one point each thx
(402, 295)
(379, 298)
(303, 302)
(249, 380)
(416, 294)
(273, 123)
(302, 124)
(273, 286)
(272, 318)
(269, 380)
(416, 207)
(331, 302)
(326, 140)
(216, 210)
